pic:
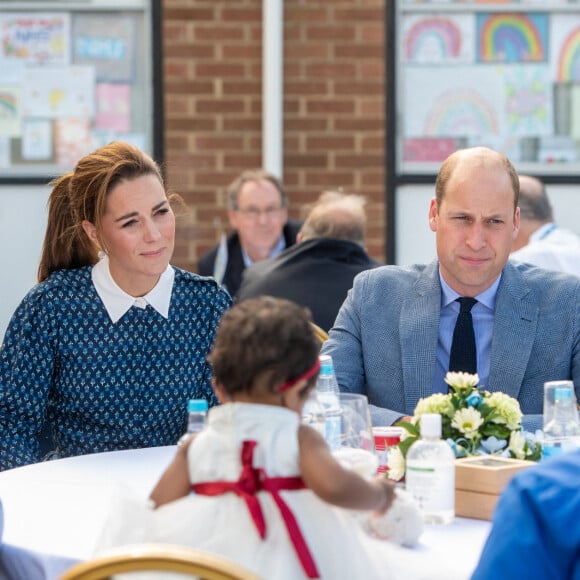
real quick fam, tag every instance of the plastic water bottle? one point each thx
(327, 393)
(562, 431)
(197, 414)
(313, 414)
(430, 473)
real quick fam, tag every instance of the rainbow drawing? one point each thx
(432, 39)
(514, 37)
(461, 113)
(569, 60)
(8, 106)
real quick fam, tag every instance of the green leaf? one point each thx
(404, 445)
(409, 427)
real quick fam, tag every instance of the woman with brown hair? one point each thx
(112, 341)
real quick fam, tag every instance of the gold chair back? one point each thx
(159, 558)
(320, 333)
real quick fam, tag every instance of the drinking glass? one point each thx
(550, 389)
(357, 448)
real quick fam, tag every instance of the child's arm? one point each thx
(324, 475)
(174, 483)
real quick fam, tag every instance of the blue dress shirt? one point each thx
(482, 313)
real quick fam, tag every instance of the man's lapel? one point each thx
(419, 329)
(514, 332)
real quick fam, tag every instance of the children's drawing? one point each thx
(108, 43)
(10, 111)
(72, 140)
(565, 34)
(463, 112)
(113, 107)
(59, 92)
(35, 38)
(453, 101)
(517, 37)
(528, 106)
(432, 38)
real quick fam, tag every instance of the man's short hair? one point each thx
(448, 167)
(534, 203)
(336, 215)
(236, 185)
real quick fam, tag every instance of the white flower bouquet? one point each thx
(474, 422)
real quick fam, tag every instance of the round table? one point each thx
(60, 507)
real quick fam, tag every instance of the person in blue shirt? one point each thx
(536, 529)
(112, 342)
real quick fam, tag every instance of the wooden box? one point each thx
(479, 481)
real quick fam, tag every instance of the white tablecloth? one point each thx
(59, 507)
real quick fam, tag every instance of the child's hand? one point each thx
(402, 523)
(388, 488)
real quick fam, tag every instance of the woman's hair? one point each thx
(82, 195)
(267, 340)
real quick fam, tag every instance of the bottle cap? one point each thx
(563, 395)
(197, 406)
(326, 366)
(431, 425)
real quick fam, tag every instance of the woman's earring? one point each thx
(101, 254)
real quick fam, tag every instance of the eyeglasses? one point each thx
(254, 212)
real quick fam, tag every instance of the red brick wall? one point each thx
(333, 107)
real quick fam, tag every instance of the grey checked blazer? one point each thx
(384, 340)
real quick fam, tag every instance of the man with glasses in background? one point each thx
(258, 213)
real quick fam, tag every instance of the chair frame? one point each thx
(158, 557)
(320, 333)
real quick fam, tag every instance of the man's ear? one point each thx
(433, 214)
(233, 218)
(517, 223)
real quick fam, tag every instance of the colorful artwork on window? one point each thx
(516, 37)
(438, 39)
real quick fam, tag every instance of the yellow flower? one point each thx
(461, 380)
(507, 410)
(437, 403)
(467, 421)
(516, 444)
(396, 463)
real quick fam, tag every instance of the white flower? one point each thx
(467, 421)
(396, 464)
(462, 380)
(507, 410)
(439, 404)
(516, 445)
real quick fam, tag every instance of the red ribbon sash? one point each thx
(251, 481)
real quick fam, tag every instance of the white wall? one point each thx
(416, 242)
(22, 225)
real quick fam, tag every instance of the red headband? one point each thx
(303, 377)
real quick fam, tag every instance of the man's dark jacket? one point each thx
(235, 266)
(316, 273)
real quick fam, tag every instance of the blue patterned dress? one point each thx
(103, 386)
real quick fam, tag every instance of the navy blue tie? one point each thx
(463, 355)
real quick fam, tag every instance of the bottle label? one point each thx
(553, 447)
(433, 487)
(333, 432)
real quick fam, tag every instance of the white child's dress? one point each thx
(223, 524)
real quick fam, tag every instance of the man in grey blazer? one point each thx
(392, 337)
